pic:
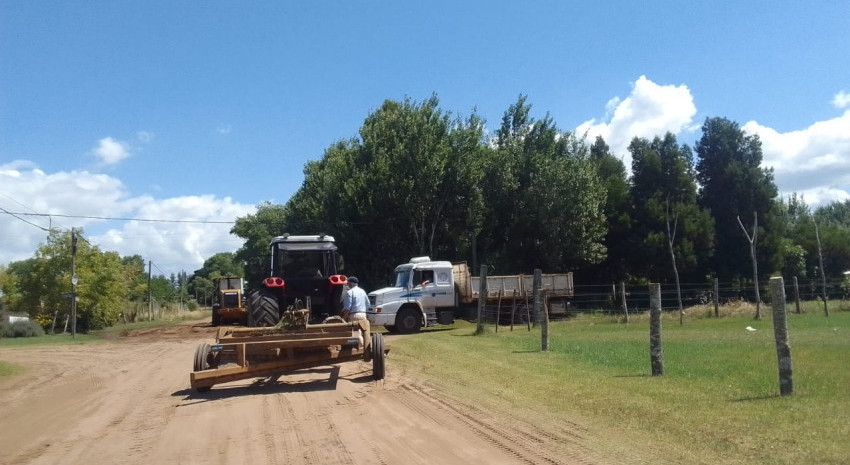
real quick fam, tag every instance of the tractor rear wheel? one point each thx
(378, 357)
(216, 318)
(263, 308)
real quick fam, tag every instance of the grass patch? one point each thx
(9, 369)
(718, 401)
(48, 339)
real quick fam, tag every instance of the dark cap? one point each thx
(353, 280)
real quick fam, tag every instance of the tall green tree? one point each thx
(837, 212)
(406, 187)
(734, 184)
(665, 212)
(796, 215)
(258, 230)
(135, 278)
(46, 286)
(201, 284)
(612, 173)
(544, 199)
(221, 264)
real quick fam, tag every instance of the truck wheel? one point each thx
(263, 309)
(408, 320)
(378, 357)
(216, 318)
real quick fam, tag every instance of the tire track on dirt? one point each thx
(533, 447)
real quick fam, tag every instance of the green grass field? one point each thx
(718, 401)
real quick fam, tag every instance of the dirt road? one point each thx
(129, 402)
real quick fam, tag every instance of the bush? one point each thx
(21, 329)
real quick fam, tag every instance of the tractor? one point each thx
(304, 274)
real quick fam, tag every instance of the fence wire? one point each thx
(607, 298)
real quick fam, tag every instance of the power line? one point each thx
(110, 218)
(15, 215)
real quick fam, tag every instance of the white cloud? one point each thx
(841, 100)
(171, 246)
(650, 110)
(224, 129)
(111, 151)
(814, 161)
(179, 245)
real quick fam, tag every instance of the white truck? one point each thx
(428, 293)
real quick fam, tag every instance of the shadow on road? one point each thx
(277, 384)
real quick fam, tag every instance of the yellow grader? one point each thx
(228, 302)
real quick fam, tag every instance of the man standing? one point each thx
(356, 301)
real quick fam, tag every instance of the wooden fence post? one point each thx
(544, 316)
(656, 352)
(513, 309)
(797, 295)
(499, 311)
(527, 311)
(780, 333)
(613, 296)
(482, 299)
(716, 298)
(623, 298)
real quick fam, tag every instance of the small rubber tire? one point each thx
(378, 357)
(202, 353)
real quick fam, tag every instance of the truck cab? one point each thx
(423, 295)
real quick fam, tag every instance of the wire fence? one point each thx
(608, 299)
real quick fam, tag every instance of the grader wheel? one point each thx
(378, 357)
(202, 353)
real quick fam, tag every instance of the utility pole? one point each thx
(150, 302)
(73, 283)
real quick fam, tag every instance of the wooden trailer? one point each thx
(242, 353)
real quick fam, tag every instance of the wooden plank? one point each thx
(235, 373)
(251, 346)
(286, 337)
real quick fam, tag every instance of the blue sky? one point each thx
(202, 110)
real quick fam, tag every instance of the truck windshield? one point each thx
(402, 278)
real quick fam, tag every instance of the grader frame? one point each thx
(243, 353)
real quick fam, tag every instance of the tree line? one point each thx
(420, 181)
(111, 288)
